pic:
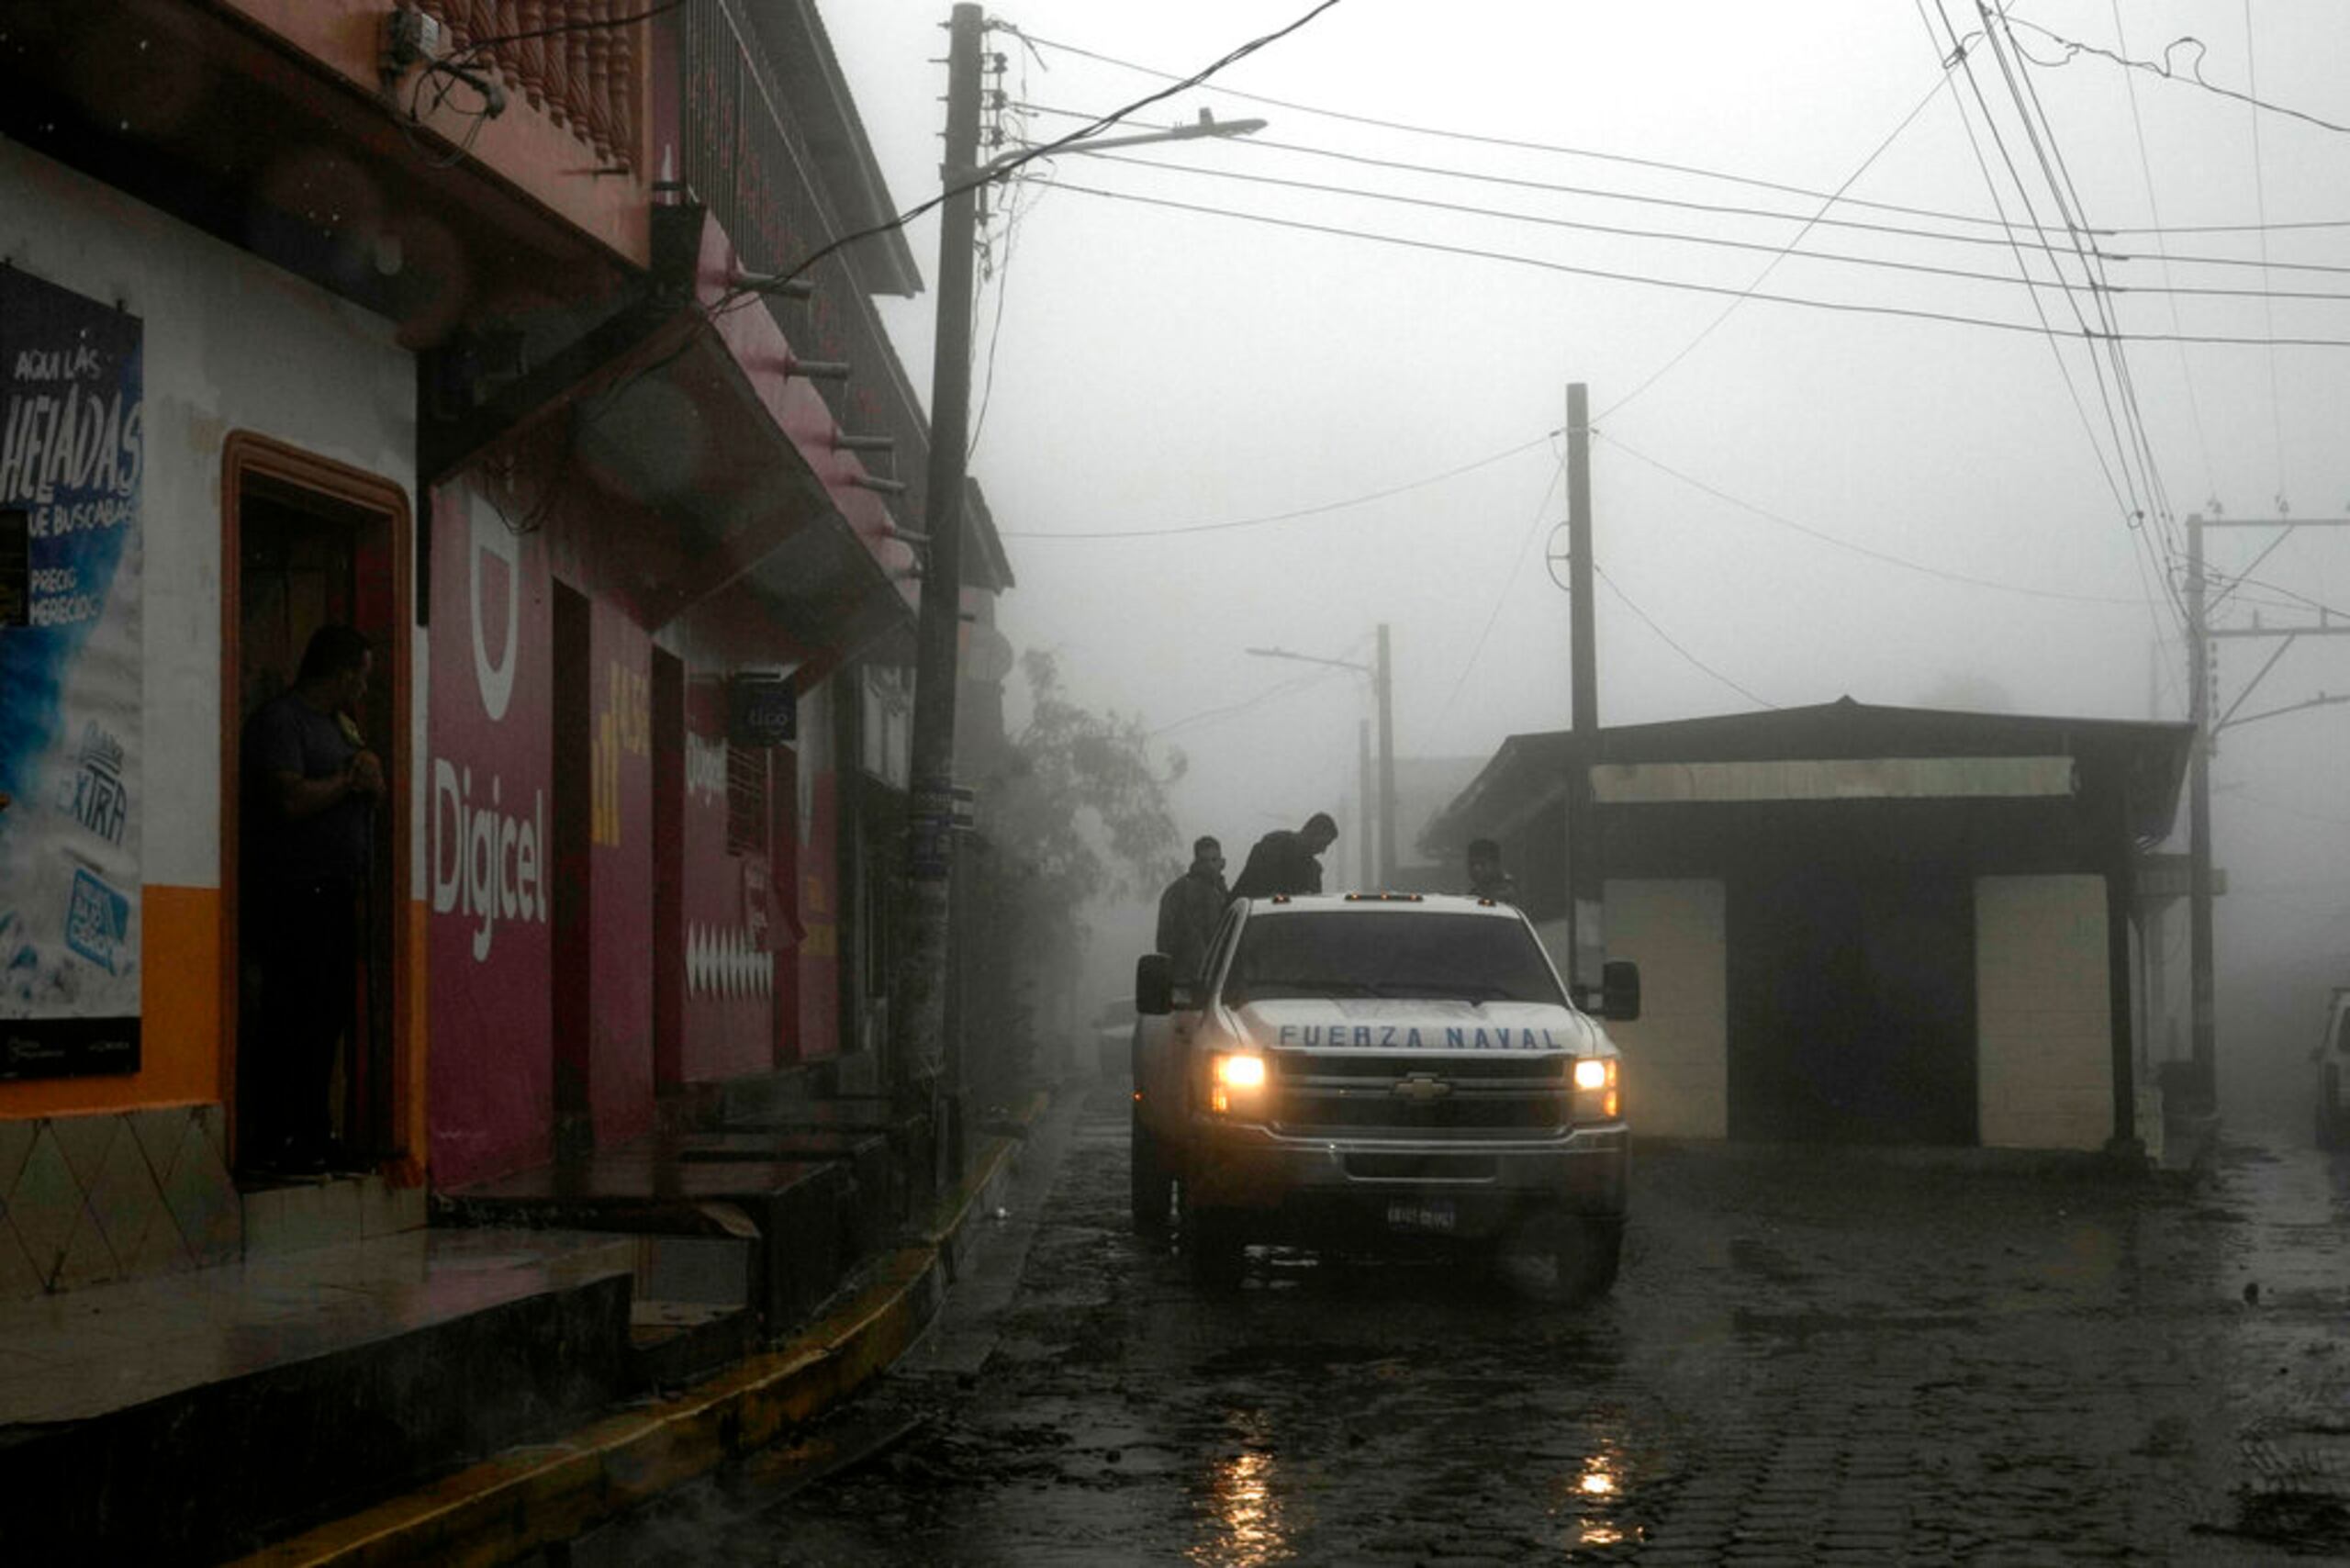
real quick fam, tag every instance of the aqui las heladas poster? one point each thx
(70, 675)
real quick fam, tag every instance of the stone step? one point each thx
(800, 1216)
(292, 1387)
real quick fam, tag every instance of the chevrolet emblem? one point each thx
(1421, 1088)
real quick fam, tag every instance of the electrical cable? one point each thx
(2260, 199)
(1817, 219)
(1871, 552)
(2127, 494)
(1683, 286)
(2153, 209)
(1778, 252)
(1667, 638)
(1300, 512)
(1517, 568)
(1004, 168)
(1515, 144)
(2169, 72)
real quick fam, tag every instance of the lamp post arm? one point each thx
(1314, 659)
(1203, 127)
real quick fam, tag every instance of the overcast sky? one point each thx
(1756, 494)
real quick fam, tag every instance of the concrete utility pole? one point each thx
(2200, 1032)
(1585, 938)
(918, 1019)
(1381, 693)
(1364, 863)
(2201, 652)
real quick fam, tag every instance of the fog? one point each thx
(1792, 504)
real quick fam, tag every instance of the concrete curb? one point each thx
(526, 1500)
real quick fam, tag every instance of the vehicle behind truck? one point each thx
(1373, 1069)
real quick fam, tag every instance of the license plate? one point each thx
(1421, 1214)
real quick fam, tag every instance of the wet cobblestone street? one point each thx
(1812, 1357)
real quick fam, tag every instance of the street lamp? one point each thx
(1382, 690)
(923, 1041)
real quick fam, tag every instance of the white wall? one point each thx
(1676, 1056)
(230, 343)
(2044, 1013)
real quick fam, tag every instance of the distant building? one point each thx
(1860, 924)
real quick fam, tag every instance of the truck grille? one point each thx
(1416, 1096)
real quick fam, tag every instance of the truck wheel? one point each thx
(1212, 1240)
(1587, 1254)
(1153, 1188)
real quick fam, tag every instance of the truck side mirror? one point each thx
(1619, 991)
(1154, 985)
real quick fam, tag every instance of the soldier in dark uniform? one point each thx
(1190, 907)
(1286, 862)
(1486, 877)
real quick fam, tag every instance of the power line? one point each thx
(1003, 169)
(1667, 638)
(1515, 144)
(1710, 327)
(1778, 252)
(2168, 73)
(2260, 200)
(1293, 515)
(1817, 220)
(1873, 553)
(2153, 209)
(1682, 286)
(1517, 566)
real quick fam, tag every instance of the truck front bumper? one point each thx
(1286, 1187)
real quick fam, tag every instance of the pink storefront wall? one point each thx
(730, 981)
(620, 982)
(490, 1103)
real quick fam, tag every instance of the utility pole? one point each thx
(1379, 674)
(1385, 680)
(922, 1041)
(1364, 863)
(1585, 939)
(920, 1019)
(2203, 650)
(2201, 1013)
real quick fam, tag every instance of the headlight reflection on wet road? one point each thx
(1245, 1514)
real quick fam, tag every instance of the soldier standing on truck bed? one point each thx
(1285, 862)
(1190, 907)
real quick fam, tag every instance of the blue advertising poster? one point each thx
(70, 675)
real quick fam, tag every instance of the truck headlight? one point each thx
(1230, 1075)
(1597, 1098)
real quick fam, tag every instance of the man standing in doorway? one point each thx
(1190, 907)
(311, 786)
(1286, 862)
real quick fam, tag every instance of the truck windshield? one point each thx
(1469, 957)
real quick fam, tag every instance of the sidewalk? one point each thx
(280, 1394)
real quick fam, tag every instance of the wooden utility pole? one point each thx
(919, 1018)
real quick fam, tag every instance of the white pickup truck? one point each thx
(1370, 1069)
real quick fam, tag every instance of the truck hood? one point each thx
(1418, 1023)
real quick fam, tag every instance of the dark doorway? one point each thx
(1852, 1005)
(571, 825)
(308, 543)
